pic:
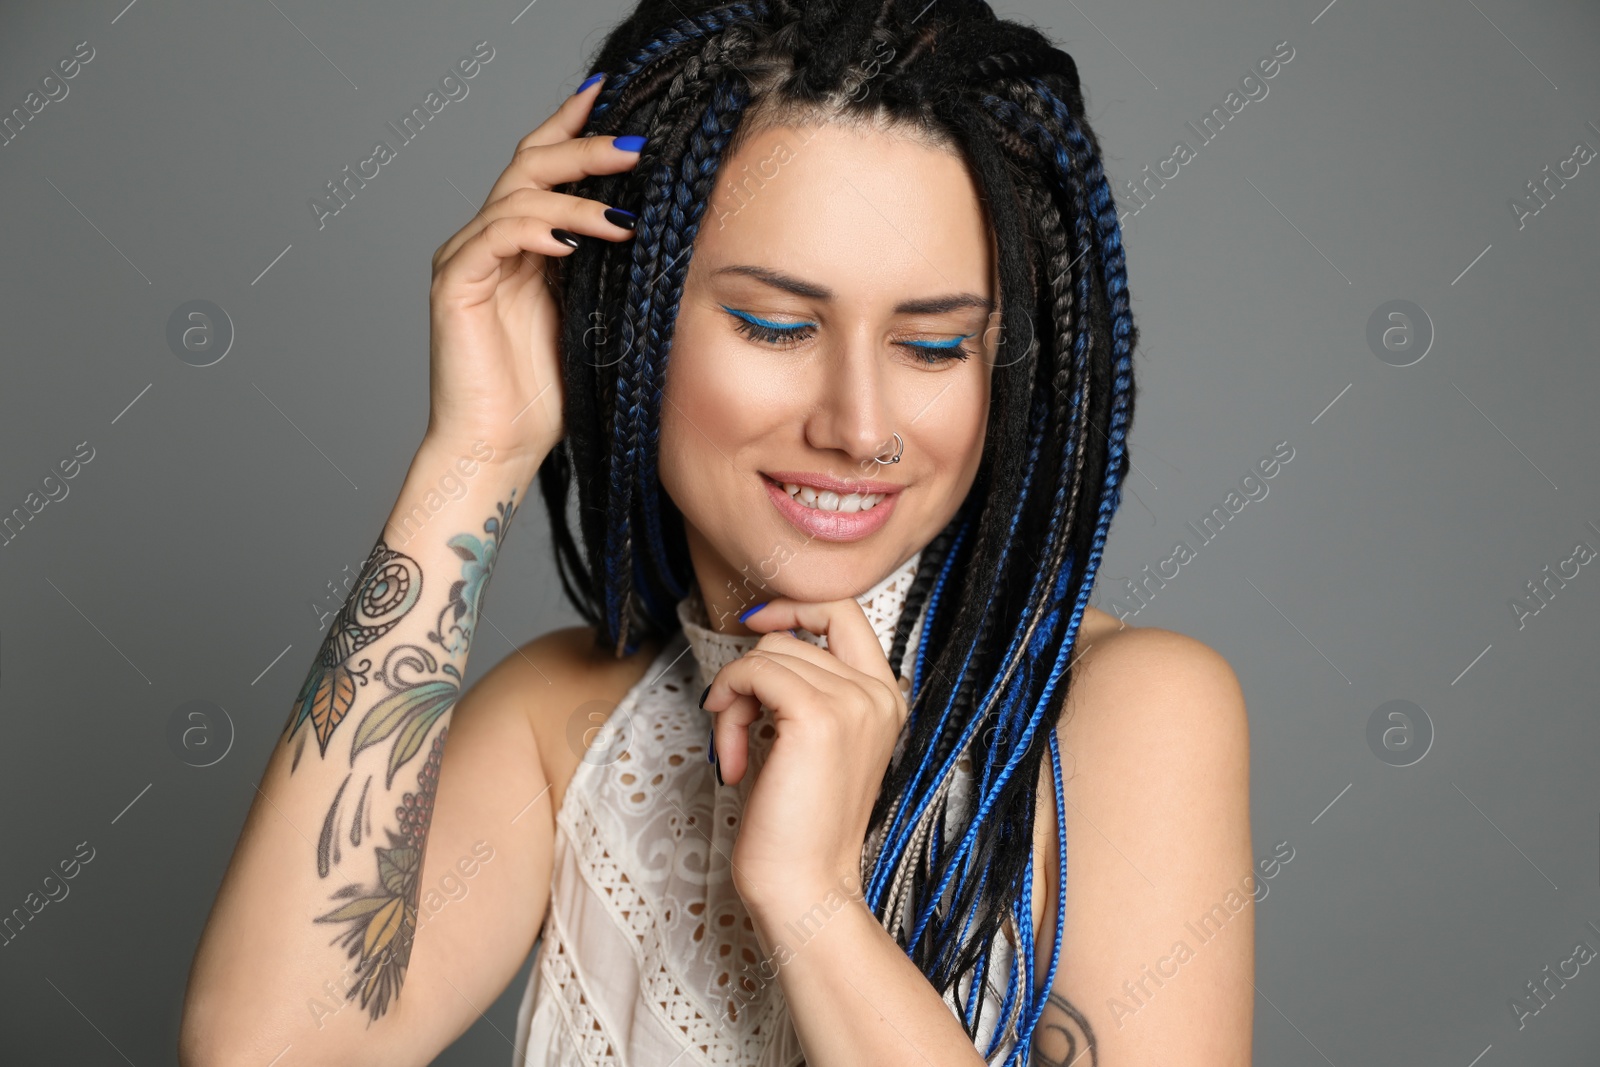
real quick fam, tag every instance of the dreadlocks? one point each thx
(1002, 589)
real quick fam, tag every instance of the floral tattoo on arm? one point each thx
(420, 687)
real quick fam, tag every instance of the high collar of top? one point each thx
(713, 650)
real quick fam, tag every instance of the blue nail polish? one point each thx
(588, 82)
(629, 143)
(747, 612)
(711, 746)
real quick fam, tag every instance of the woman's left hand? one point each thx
(838, 713)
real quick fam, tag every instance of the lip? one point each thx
(830, 525)
(841, 486)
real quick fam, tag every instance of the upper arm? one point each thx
(485, 878)
(1157, 955)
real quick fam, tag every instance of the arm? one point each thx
(334, 937)
(853, 994)
(1157, 953)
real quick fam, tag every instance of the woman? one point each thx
(855, 518)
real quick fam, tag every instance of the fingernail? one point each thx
(717, 764)
(590, 80)
(566, 237)
(751, 611)
(629, 142)
(618, 217)
(711, 746)
(793, 634)
(704, 695)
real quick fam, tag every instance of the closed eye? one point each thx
(939, 351)
(787, 334)
(764, 330)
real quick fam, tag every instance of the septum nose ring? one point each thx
(900, 447)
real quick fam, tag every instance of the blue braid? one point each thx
(1061, 881)
(1109, 234)
(687, 199)
(684, 31)
(936, 597)
(1115, 281)
(1005, 1009)
(1080, 343)
(902, 827)
(981, 972)
(626, 457)
(619, 516)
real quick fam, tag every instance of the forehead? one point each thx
(865, 212)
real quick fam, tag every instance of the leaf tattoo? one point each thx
(421, 687)
(412, 707)
(383, 920)
(389, 586)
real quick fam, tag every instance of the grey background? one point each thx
(1380, 566)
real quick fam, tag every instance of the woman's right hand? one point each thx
(495, 337)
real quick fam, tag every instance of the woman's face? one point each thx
(838, 278)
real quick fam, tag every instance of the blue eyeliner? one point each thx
(952, 343)
(745, 315)
(783, 330)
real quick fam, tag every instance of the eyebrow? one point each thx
(799, 287)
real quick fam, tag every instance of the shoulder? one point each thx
(1155, 760)
(566, 685)
(1130, 682)
(1152, 713)
(1155, 768)
(562, 662)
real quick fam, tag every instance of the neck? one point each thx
(799, 568)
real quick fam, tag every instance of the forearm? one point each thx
(853, 994)
(318, 905)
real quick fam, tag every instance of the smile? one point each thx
(828, 500)
(836, 512)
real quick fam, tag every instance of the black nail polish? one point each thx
(717, 766)
(565, 237)
(704, 695)
(711, 746)
(618, 217)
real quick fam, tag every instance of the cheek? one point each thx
(712, 406)
(951, 431)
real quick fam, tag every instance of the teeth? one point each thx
(828, 500)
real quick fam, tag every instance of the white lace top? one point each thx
(647, 956)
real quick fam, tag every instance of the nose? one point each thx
(854, 411)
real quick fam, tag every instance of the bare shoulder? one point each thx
(1152, 705)
(1155, 768)
(1122, 671)
(1147, 705)
(567, 686)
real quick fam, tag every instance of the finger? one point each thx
(545, 166)
(576, 214)
(567, 120)
(736, 694)
(831, 679)
(850, 636)
(481, 255)
(835, 680)
(782, 644)
(730, 734)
